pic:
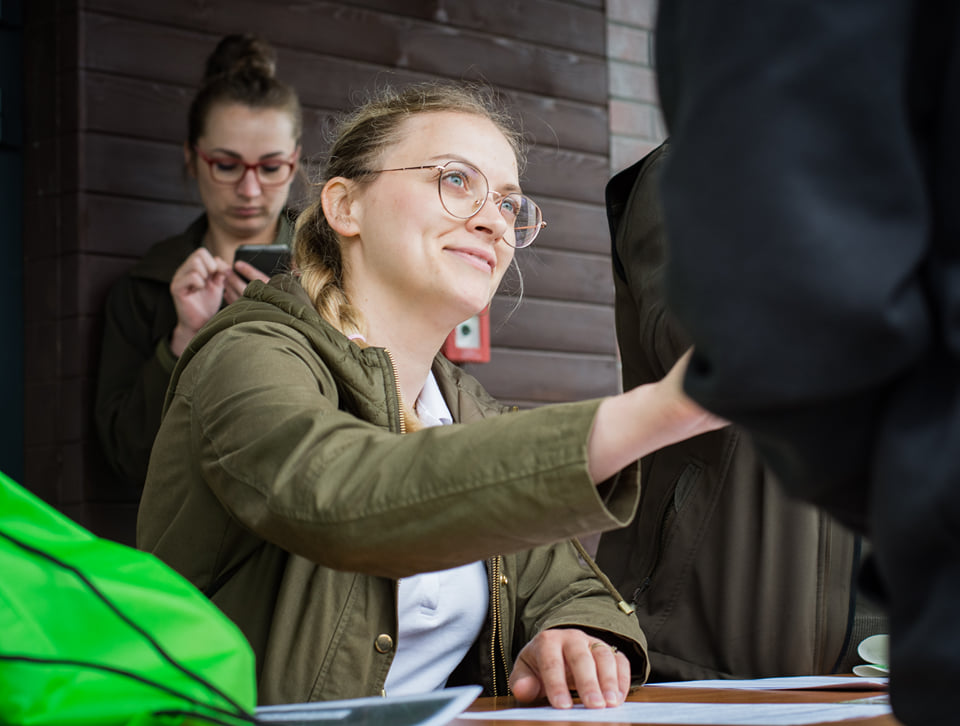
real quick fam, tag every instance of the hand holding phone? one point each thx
(269, 259)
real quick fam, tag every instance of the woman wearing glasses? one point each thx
(242, 149)
(356, 503)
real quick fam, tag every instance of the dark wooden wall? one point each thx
(108, 85)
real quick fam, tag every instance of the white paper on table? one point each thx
(693, 714)
(788, 683)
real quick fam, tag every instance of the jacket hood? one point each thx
(362, 375)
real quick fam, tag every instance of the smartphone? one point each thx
(269, 259)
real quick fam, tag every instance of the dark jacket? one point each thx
(811, 196)
(730, 577)
(281, 486)
(135, 356)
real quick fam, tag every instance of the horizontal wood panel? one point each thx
(154, 170)
(126, 227)
(119, 46)
(134, 168)
(581, 28)
(552, 325)
(122, 227)
(574, 226)
(158, 111)
(566, 174)
(546, 377)
(559, 275)
(41, 409)
(554, 123)
(542, 21)
(87, 295)
(388, 40)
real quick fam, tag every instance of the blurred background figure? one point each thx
(731, 578)
(242, 149)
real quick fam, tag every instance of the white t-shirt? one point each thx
(440, 614)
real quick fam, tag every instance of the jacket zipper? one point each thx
(665, 517)
(496, 637)
(403, 429)
(396, 387)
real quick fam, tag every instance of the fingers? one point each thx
(200, 262)
(552, 662)
(524, 681)
(197, 290)
(233, 288)
(540, 672)
(558, 661)
(613, 673)
(596, 674)
(250, 272)
(197, 271)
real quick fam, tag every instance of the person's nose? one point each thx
(489, 219)
(249, 185)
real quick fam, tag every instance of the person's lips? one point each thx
(246, 211)
(482, 259)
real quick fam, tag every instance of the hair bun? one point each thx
(245, 54)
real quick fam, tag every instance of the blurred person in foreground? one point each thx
(811, 204)
(730, 576)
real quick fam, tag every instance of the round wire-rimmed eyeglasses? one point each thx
(464, 190)
(230, 170)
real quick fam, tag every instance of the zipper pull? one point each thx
(641, 588)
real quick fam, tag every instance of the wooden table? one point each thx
(662, 694)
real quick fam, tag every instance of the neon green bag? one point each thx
(93, 632)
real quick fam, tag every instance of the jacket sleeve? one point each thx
(796, 233)
(556, 590)
(132, 380)
(265, 423)
(649, 337)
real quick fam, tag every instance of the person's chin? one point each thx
(469, 305)
(248, 224)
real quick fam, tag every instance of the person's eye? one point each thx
(456, 180)
(225, 166)
(510, 208)
(271, 170)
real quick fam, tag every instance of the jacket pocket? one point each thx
(666, 522)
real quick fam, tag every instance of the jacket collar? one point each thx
(363, 377)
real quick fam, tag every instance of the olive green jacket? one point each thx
(279, 485)
(135, 356)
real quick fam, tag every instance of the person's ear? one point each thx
(189, 160)
(337, 200)
(296, 158)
